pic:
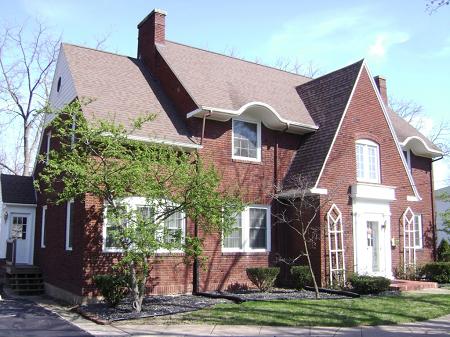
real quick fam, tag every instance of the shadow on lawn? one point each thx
(379, 311)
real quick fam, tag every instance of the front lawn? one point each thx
(346, 312)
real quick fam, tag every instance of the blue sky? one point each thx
(398, 38)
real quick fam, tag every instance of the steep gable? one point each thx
(326, 99)
(365, 118)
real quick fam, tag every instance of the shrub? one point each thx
(263, 278)
(437, 272)
(113, 288)
(237, 287)
(363, 284)
(301, 277)
(443, 251)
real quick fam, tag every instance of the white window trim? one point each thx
(408, 158)
(68, 215)
(258, 140)
(47, 154)
(420, 245)
(134, 202)
(245, 223)
(44, 214)
(366, 179)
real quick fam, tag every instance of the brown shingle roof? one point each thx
(325, 98)
(219, 81)
(122, 89)
(403, 130)
(17, 189)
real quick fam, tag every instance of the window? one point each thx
(44, 213)
(171, 229)
(418, 230)
(72, 136)
(251, 231)
(367, 161)
(58, 85)
(246, 140)
(47, 151)
(407, 155)
(19, 227)
(69, 224)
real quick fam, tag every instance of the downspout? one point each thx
(196, 265)
(433, 214)
(203, 125)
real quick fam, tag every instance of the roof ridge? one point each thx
(334, 71)
(238, 59)
(98, 50)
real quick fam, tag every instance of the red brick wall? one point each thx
(365, 119)
(59, 266)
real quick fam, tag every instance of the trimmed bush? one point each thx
(363, 284)
(113, 288)
(437, 271)
(301, 277)
(263, 278)
(443, 251)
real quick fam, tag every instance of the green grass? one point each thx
(344, 312)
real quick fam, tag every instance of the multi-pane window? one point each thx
(173, 227)
(246, 140)
(169, 230)
(234, 238)
(367, 161)
(69, 224)
(418, 230)
(251, 231)
(19, 227)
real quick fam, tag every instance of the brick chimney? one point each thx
(152, 31)
(381, 85)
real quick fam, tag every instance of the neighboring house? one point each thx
(260, 126)
(17, 217)
(441, 207)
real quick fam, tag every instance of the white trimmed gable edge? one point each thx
(388, 120)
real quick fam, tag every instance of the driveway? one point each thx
(22, 318)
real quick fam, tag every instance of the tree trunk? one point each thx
(136, 289)
(316, 287)
(196, 269)
(26, 151)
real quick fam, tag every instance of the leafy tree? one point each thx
(101, 160)
(445, 197)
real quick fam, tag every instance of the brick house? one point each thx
(260, 126)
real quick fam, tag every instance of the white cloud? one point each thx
(384, 41)
(441, 173)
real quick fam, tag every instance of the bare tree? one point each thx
(300, 212)
(433, 5)
(27, 58)
(414, 114)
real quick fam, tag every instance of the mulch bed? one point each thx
(156, 305)
(152, 306)
(278, 294)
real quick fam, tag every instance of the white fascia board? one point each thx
(293, 193)
(182, 145)
(19, 205)
(339, 126)
(433, 153)
(394, 135)
(227, 114)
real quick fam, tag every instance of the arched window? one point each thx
(367, 161)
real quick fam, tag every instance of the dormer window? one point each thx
(367, 161)
(246, 140)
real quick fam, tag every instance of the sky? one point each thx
(398, 39)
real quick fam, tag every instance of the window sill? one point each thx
(246, 161)
(246, 253)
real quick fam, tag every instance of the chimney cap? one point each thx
(153, 12)
(381, 77)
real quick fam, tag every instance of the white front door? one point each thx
(374, 248)
(20, 229)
